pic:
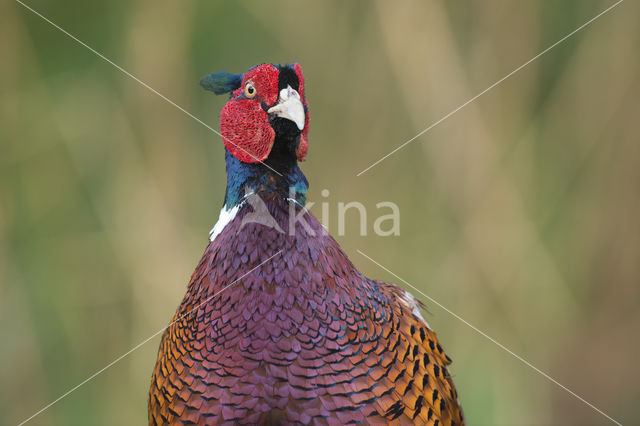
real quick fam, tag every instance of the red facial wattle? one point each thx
(244, 124)
(246, 131)
(303, 146)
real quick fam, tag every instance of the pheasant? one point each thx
(278, 326)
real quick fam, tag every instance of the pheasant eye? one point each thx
(249, 90)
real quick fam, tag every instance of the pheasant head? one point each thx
(266, 115)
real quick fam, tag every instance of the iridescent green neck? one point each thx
(246, 178)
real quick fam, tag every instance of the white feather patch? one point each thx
(226, 216)
(411, 303)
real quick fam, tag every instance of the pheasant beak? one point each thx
(289, 106)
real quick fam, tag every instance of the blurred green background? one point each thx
(519, 213)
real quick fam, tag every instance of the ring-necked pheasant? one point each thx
(278, 326)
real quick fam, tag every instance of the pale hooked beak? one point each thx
(290, 107)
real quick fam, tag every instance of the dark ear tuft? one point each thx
(221, 82)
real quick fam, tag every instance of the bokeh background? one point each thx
(519, 213)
